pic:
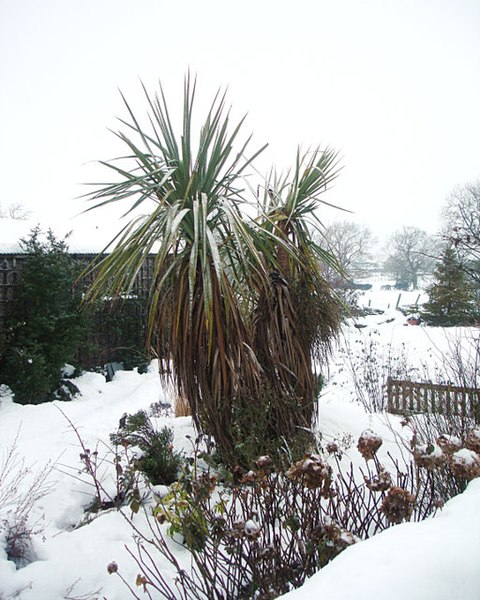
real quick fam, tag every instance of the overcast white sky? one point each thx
(394, 85)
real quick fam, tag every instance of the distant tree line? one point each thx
(450, 259)
(15, 211)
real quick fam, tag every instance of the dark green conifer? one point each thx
(46, 325)
(451, 295)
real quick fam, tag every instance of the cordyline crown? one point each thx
(238, 308)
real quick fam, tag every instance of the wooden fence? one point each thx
(108, 340)
(412, 397)
(10, 271)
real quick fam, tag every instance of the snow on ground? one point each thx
(43, 434)
(389, 299)
(433, 560)
(436, 559)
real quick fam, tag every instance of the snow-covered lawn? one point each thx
(437, 559)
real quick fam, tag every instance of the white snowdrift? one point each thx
(437, 559)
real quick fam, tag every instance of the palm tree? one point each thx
(298, 315)
(213, 264)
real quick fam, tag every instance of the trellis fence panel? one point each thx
(106, 338)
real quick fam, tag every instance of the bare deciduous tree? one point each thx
(351, 244)
(461, 226)
(410, 253)
(15, 211)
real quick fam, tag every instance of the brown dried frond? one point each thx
(282, 353)
(321, 316)
(182, 407)
(296, 320)
(208, 351)
(368, 444)
(398, 505)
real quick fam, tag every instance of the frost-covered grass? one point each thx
(433, 560)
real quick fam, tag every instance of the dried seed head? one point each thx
(251, 529)
(218, 527)
(263, 461)
(313, 472)
(332, 448)
(368, 444)
(379, 482)
(204, 486)
(249, 477)
(465, 464)
(142, 580)
(449, 443)
(398, 505)
(428, 456)
(238, 529)
(267, 552)
(332, 535)
(472, 440)
(112, 567)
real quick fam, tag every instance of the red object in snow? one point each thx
(413, 320)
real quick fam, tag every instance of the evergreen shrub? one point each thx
(160, 463)
(452, 299)
(46, 325)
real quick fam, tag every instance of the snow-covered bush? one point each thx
(369, 364)
(259, 537)
(444, 461)
(262, 532)
(19, 522)
(158, 460)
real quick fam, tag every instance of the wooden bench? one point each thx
(412, 397)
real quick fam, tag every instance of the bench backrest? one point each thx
(413, 397)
